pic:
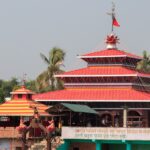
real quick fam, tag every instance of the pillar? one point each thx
(128, 146)
(113, 118)
(125, 117)
(98, 146)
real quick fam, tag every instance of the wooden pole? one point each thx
(70, 118)
(24, 140)
(113, 119)
(48, 142)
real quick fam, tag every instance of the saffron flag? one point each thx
(115, 22)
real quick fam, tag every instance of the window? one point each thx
(29, 96)
(19, 95)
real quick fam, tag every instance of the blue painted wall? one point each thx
(4, 144)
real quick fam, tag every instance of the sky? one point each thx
(31, 27)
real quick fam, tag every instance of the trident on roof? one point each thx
(112, 14)
(24, 79)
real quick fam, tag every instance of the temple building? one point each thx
(15, 115)
(110, 85)
(104, 106)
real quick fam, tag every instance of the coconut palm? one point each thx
(144, 64)
(46, 79)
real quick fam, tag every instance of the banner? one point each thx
(106, 133)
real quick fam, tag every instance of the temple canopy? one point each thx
(74, 108)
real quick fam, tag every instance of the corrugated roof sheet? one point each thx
(79, 108)
(111, 52)
(22, 107)
(97, 94)
(103, 71)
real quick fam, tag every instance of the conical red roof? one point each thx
(22, 90)
(22, 107)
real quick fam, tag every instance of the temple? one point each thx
(104, 106)
(110, 85)
(19, 115)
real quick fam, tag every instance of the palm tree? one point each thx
(144, 64)
(46, 79)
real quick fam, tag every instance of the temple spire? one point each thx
(112, 39)
(24, 80)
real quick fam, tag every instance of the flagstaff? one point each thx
(114, 21)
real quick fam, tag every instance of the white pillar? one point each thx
(125, 117)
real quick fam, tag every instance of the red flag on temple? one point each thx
(115, 22)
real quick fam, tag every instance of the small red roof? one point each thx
(100, 94)
(22, 90)
(102, 71)
(110, 53)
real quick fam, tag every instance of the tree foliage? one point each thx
(6, 87)
(46, 80)
(144, 64)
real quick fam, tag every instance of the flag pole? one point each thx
(114, 21)
(112, 27)
(113, 14)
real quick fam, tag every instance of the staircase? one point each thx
(39, 145)
(42, 145)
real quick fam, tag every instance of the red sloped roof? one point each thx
(110, 53)
(102, 71)
(94, 94)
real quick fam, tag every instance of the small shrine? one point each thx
(23, 121)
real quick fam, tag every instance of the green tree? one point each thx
(1, 96)
(46, 80)
(6, 87)
(31, 84)
(144, 64)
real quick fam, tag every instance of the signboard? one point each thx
(106, 133)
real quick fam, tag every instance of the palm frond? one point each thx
(144, 64)
(47, 80)
(56, 55)
(45, 59)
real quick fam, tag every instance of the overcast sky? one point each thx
(28, 27)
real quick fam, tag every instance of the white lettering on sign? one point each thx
(106, 133)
